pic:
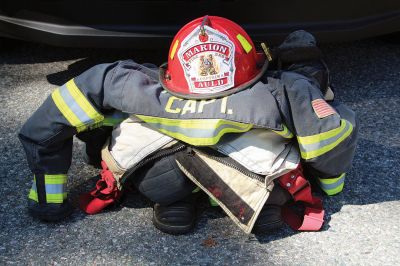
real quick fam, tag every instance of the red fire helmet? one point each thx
(211, 57)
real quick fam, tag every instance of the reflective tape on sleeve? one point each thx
(201, 132)
(332, 186)
(74, 106)
(285, 133)
(319, 144)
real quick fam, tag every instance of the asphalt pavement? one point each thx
(362, 225)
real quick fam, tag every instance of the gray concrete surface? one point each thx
(362, 225)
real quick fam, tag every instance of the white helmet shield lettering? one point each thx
(208, 63)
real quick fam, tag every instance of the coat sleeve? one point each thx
(326, 132)
(86, 102)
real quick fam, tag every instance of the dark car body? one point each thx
(141, 24)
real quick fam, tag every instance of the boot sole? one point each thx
(268, 227)
(51, 217)
(170, 229)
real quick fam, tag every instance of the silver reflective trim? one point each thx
(333, 185)
(52, 188)
(326, 142)
(74, 106)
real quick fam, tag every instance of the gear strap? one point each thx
(297, 185)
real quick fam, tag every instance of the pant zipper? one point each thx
(180, 147)
(228, 162)
(149, 159)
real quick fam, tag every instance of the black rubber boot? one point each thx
(270, 216)
(269, 219)
(176, 218)
(163, 182)
(49, 212)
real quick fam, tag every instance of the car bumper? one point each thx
(124, 36)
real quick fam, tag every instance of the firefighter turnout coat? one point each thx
(288, 103)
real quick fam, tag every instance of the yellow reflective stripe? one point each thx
(330, 181)
(33, 195)
(66, 111)
(56, 198)
(114, 119)
(196, 131)
(76, 97)
(320, 138)
(197, 123)
(213, 203)
(284, 133)
(197, 189)
(50, 198)
(332, 186)
(334, 191)
(174, 49)
(323, 136)
(52, 183)
(203, 141)
(111, 121)
(55, 179)
(315, 153)
(245, 44)
(80, 98)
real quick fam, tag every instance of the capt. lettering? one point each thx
(179, 106)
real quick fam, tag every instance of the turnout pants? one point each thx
(161, 181)
(243, 170)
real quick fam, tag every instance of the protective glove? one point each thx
(299, 53)
(299, 46)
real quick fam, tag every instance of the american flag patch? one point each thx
(322, 109)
